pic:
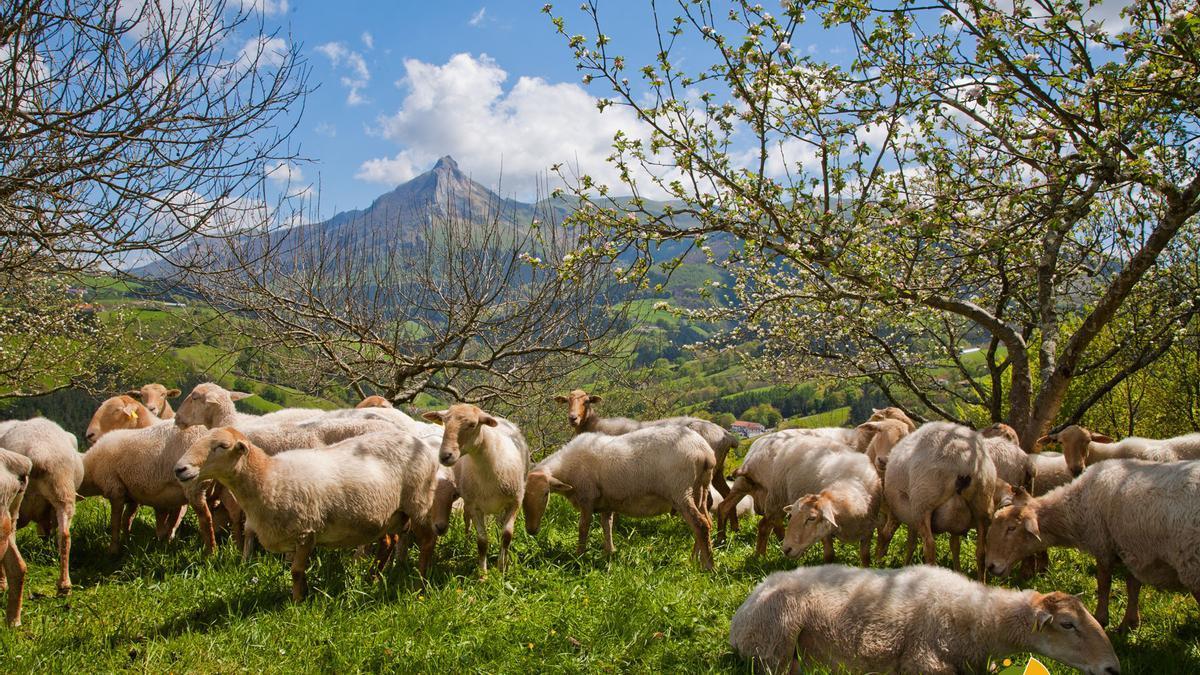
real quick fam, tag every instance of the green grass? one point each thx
(838, 417)
(165, 608)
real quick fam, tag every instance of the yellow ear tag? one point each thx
(132, 415)
(1035, 667)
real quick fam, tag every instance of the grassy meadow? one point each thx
(160, 608)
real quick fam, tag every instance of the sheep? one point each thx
(1082, 447)
(911, 620)
(118, 412)
(1050, 470)
(56, 476)
(1013, 465)
(646, 472)
(1143, 514)
(847, 507)
(490, 460)
(374, 402)
(933, 465)
(584, 419)
(14, 481)
(345, 495)
(212, 406)
(154, 396)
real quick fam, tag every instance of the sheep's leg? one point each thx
(168, 522)
(207, 535)
(910, 547)
(585, 525)
(119, 513)
(718, 475)
(248, 541)
(426, 546)
(481, 540)
(606, 523)
(886, 532)
(6, 537)
(700, 529)
(507, 524)
(955, 549)
(1103, 590)
(864, 551)
(981, 529)
(300, 566)
(764, 535)
(827, 545)
(925, 531)
(385, 551)
(14, 569)
(127, 515)
(64, 513)
(1133, 617)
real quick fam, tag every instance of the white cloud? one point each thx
(326, 129)
(478, 17)
(342, 57)
(285, 173)
(262, 51)
(462, 108)
(368, 40)
(266, 7)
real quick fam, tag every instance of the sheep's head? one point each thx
(1063, 629)
(154, 396)
(810, 519)
(118, 412)
(1001, 430)
(443, 501)
(206, 405)
(538, 486)
(14, 478)
(462, 422)
(1076, 444)
(579, 407)
(893, 413)
(1014, 533)
(879, 437)
(214, 454)
(374, 402)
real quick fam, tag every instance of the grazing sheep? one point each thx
(154, 396)
(646, 472)
(118, 412)
(1145, 515)
(878, 437)
(56, 476)
(490, 460)
(847, 507)
(14, 480)
(933, 465)
(584, 419)
(911, 620)
(374, 402)
(346, 495)
(1082, 447)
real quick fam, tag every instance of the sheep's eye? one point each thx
(1068, 625)
(812, 518)
(1012, 528)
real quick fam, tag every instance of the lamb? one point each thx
(933, 465)
(1082, 447)
(645, 472)
(1143, 514)
(846, 508)
(154, 396)
(911, 620)
(490, 460)
(584, 419)
(374, 402)
(14, 480)
(346, 495)
(57, 474)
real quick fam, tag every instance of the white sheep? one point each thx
(912, 620)
(933, 465)
(1082, 447)
(490, 460)
(584, 419)
(1050, 470)
(14, 480)
(212, 406)
(1145, 515)
(643, 473)
(155, 397)
(846, 507)
(346, 495)
(56, 476)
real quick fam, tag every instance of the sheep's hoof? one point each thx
(64, 590)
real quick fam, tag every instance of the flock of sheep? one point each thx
(297, 479)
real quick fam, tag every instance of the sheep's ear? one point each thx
(239, 395)
(557, 485)
(787, 510)
(130, 411)
(827, 512)
(134, 393)
(172, 393)
(1020, 496)
(435, 416)
(869, 426)
(488, 420)
(1031, 527)
(1101, 438)
(561, 399)
(1040, 618)
(595, 399)
(239, 447)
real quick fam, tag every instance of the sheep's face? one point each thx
(154, 396)
(538, 486)
(579, 407)
(880, 437)
(205, 405)
(213, 455)
(443, 502)
(462, 422)
(810, 519)
(893, 413)
(1001, 430)
(1076, 444)
(374, 402)
(1013, 534)
(1065, 630)
(118, 412)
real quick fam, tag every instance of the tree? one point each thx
(723, 419)
(1015, 180)
(763, 413)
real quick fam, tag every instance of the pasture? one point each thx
(168, 608)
